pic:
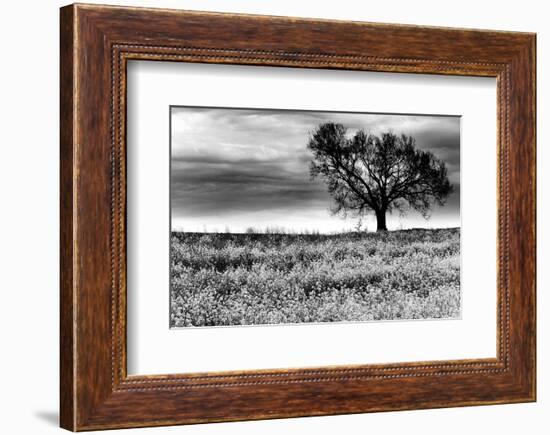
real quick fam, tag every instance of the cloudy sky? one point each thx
(239, 168)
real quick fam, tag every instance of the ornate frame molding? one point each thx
(97, 42)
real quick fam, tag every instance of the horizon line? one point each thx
(313, 232)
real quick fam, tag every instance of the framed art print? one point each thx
(288, 217)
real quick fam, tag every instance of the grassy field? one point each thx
(247, 279)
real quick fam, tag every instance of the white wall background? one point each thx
(29, 215)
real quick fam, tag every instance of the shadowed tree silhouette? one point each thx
(376, 173)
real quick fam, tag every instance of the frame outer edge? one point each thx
(532, 92)
(534, 176)
(67, 134)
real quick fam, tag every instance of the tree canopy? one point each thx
(369, 173)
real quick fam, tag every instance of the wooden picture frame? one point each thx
(96, 43)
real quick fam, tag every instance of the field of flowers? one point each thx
(247, 279)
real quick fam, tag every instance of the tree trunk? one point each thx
(381, 220)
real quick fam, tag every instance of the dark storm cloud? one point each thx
(251, 167)
(240, 186)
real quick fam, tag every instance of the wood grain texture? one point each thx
(96, 44)
(66, 104)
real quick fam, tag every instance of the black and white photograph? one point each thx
(290, 217)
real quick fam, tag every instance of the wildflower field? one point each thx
(247, 279)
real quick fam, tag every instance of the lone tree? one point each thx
(376, 173)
